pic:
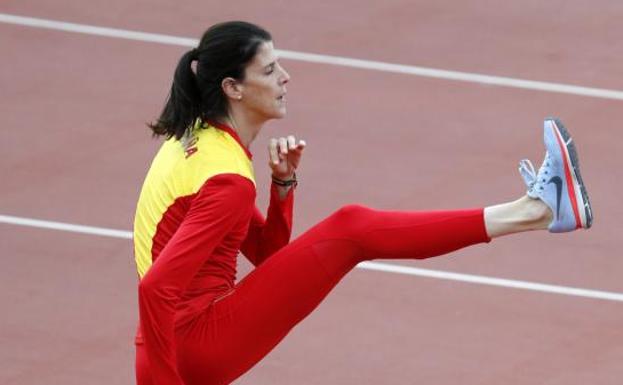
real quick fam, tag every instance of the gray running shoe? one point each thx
(558, 182)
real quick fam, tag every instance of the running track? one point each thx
(75, 150)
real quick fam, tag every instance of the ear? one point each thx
(232, 88)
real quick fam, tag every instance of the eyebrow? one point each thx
(273, 62)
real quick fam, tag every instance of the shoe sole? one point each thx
(575, 186)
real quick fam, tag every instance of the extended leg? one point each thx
(239, 329)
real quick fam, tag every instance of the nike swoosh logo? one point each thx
(558, 182)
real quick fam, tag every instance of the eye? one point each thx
(270, 69)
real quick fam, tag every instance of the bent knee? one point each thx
(351, 218)
(352, 212)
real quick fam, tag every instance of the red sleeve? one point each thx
(223, 202)
(265, 237)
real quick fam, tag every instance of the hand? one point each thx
(284, 156)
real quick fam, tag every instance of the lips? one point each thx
(282, 96)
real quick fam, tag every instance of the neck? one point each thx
(245, 126)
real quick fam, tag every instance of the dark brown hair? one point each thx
(224, 51)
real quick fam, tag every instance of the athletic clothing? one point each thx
(196, 327)
(195, 212)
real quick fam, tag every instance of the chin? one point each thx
(281, 113)
(275, 116)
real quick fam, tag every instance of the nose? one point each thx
(285, 76)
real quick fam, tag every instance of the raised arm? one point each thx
(266, 236)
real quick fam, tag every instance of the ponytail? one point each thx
(183, 106)
(224, 51)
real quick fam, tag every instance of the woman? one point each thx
(196, 211)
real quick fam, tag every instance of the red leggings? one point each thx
(239, 329)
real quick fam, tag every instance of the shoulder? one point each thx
(233, 186)
(200, 156)
(226, 194)
(216, 152)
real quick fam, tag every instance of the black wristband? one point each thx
(286, 183)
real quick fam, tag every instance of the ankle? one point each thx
(536, 211)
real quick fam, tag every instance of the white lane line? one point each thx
(491, 281)
(29, 222)
(456, 75)
(376, 266)
(98, 31)
(326, 59)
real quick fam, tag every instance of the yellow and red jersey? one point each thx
(197, 206)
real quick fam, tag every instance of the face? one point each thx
(263, 90)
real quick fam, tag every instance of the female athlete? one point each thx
(196, 211)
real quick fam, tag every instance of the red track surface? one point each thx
(75, 149)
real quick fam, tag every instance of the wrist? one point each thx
(290, 181)
(283, 176)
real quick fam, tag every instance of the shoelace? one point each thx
(526, 169)
(532, 178)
